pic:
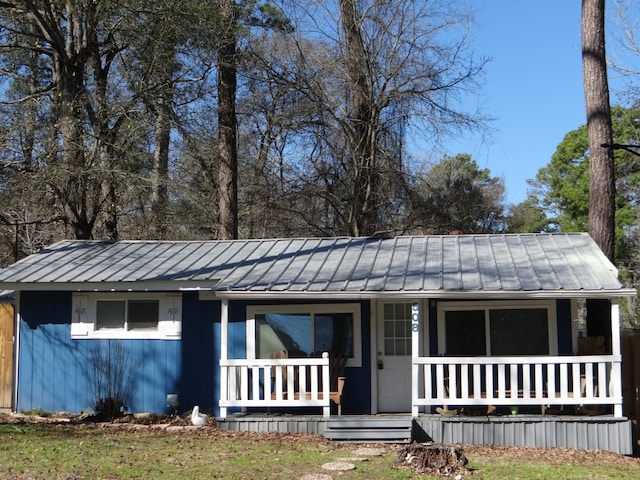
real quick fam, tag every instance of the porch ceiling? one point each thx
(531, 265)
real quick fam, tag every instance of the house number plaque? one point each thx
(415, 317)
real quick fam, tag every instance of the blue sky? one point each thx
(533, 86)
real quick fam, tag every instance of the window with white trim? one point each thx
(497, 328)
(305, 330)
(127, 315)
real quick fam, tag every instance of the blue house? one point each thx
(456, 333)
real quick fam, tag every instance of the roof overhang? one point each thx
(435, 294)
(208, 288)
(132, 286)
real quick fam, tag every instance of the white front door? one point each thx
(394, 357)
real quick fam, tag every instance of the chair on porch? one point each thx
(337, 379)
(337, 365)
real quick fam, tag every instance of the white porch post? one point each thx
(616, 351)
(415, 353)
(224, 353)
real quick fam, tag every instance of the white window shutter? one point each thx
(81, 323)
(170, 321)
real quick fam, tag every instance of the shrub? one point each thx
(110, 373)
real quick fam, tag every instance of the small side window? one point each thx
(127, 315)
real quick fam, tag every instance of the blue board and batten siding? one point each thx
(54, 369)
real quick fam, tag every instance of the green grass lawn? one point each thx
(63, 451)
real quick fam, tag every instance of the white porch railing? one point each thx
(286, 382)
(515, 381)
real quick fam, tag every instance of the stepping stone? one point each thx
(316, 476)
(352, 459)
(370, 452)
(339, 466)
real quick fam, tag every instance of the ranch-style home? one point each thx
(457, 338)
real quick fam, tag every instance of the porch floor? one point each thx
(603, 432)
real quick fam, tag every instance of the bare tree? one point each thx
(624, 48)
(377, 70)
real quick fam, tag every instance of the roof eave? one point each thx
(130, 286)
(440, 294)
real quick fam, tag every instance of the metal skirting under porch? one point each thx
(566, 431)
(557, 431)
(351, 428)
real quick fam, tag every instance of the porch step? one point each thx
(370, 429)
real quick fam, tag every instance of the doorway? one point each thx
(394, 357)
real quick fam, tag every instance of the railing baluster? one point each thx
(427, 381)
(440, 382)
(477, 381)
(552, 389)
(537, 378)
(564, 380)
(453, 381)
(233, 391)
(501, 381)
(314, 381)
(464, 381)
(244, 383)
(526, 380)
(589, 380)
(603, 381)
(577, 380)
(489, 369)
(513, 380)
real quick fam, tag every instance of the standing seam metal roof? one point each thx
(457, 263)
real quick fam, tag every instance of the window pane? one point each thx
(334, 333)
(389, 349)
(304, 334)
(519, 331)
(388, 328)
(110, 314)
(400, 329)
(465, 334)
(283, 331)
(142, 314)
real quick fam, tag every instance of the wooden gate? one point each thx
(631, 376)
(6, 354)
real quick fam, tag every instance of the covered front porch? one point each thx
(567, 382)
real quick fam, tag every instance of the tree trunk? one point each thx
(362, 167)
(596, 89)
(160, 179)
(227, 126)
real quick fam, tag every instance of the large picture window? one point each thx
(304, 331)
(126, 315)
(500, 328)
